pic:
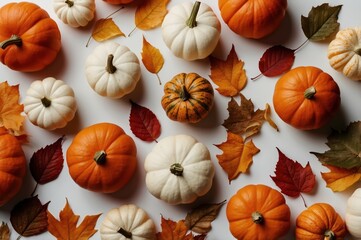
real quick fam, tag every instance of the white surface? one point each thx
(92, 108)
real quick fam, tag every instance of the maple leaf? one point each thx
(292, 178)
(339, 179)
(229, 75)
(4, 231)
(174, 230)
(66, 228)
(152, 58)
(237, 155)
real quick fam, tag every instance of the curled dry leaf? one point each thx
(152, 58)
(4, 231)
(339, 179)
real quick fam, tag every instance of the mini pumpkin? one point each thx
(320, 221)
(12, 166)
(253, 18)
(179, 170)
(75, 13)
(191, 31)
(353, 214)
(112, 70)
(29, 39)
(50, 103)
(306, 98)
(127, 222)
(187, 98)
(258, 212)
(102, 158)
(344, 52)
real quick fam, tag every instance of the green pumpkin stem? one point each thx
(192, 22)
(176, 169)
(100, 157)
(69, 2)
(46, 102)
(329, 235)
(14, 39)
(110, 67)
(125, 233)
(257, 218)
(184, 94)
(310, 92)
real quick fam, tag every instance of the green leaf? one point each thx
(345, 148)
(321, 22)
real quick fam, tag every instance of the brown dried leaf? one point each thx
(174, 230)
(4, 231)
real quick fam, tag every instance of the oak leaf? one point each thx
(237, 155)
(66, 228)
(4, 231)
(339, 179)
(174, 230)
(152, 58)
(105, 29)
(229, 75)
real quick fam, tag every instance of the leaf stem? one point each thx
(299, 47)
(303, 199)
(18, 237)
(256, 77)
(132, 31)
(33, 192)
(160, 83)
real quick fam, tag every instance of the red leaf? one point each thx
(292, 178)
(47, 163)
(143, 123)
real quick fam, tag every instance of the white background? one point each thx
(92, 108)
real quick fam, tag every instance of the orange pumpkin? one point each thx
(320, 221)
(258, 212)
(253, 18)
(306, 97)
(29, 39)
(102, 158)
(12, 166)
(118, 1)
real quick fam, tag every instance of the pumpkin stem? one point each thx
(176, 169)
(14, 39)
(310, 92)
(110, 67)
(125, 233)
(358, 51)
(184, 94)
(100, 157)
(329, 235)
(69, 2)
(46, 102)
(192, 22)
(257, 218)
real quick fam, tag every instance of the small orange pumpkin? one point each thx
(253, 18)
(258, 212)
(306, 97)
(29, 38)
(118, 1)
(102, 158)
(12, 166)
(320, 221)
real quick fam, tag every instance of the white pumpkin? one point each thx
(353, 214)
(179, 170)
(344, 52)
(75, 13)
(191, 31)
(112, 70)
(127, 222)
(50, 103)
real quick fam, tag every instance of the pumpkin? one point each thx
(187, 98)
(118, 1)
(306, 97)
(75, 13)
(112, 70)
(191, 31)
(253, 18)
(50, 103)
(320, 221)
(12, 166)
(344, 52)
(179, 170)
(258, 212)
(102, 158)
(127, 222)
(29, 39)
(353, 214)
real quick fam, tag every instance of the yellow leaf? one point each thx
(152, 58)
(267, 117)
(150, 14)
(339, 179)
(104, 29)
(237, 155)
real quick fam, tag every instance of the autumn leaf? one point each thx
(321, 22)
(66, 228)
(237, 155)
(229, 75)
(105, 29)
(29, 218)
(4, 231)
(152, 58)
(340, 179)
(174, 230)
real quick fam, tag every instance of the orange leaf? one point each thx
(152, 58)
(66, 228)
(174, 230)
(229, 75)
(339, 179)
(104, 29)
(237, 155)
(150, 14)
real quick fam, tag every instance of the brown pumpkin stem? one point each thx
(310, 92)
(192, 20)
(125, 233)
(69, 2)
(184, 94)
(100, 157)
(358, 51)
(257, 218)
(46, 102)
(176, 169)
(329, 235)
(14, 39)
(110, 67)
